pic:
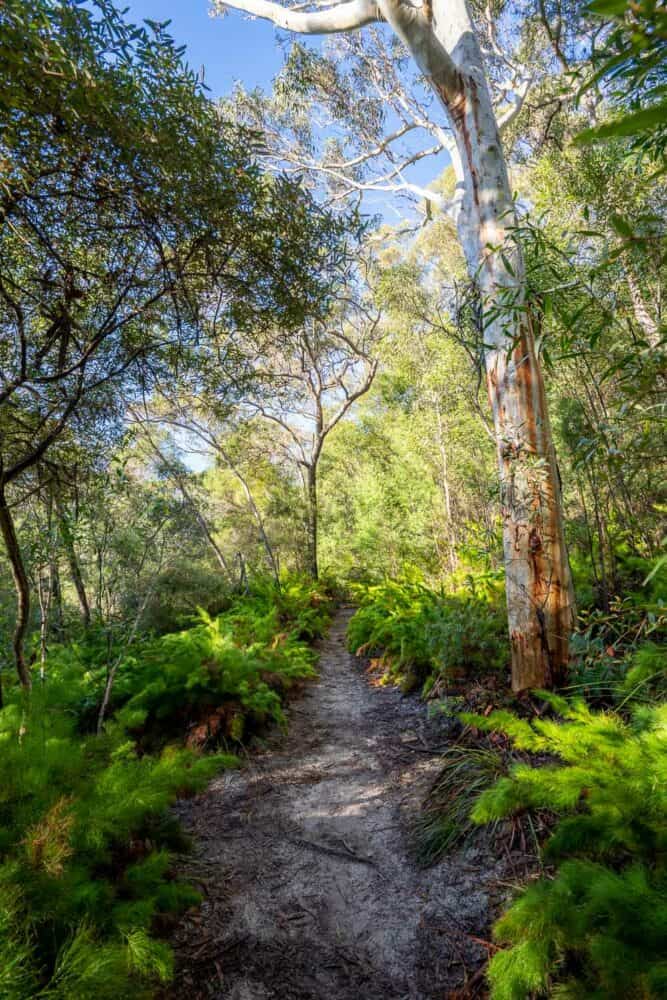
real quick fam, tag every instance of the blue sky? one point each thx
(229, 48)
(234, 48)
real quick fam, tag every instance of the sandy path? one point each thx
(304, 859)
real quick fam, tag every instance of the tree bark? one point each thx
(22, 585)
(640, 308)
(72, 559)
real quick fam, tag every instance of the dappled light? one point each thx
(333, 586)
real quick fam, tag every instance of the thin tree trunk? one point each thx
(45, 599)
(642, 313)
(55, 591)
(72, 559)
(22, 586)
(311, 505)
(259, 520)
(206, 531)
(128, 642)
(57, 625)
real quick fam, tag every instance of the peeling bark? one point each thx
(444, 45)
(540, 600)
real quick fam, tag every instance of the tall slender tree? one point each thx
(443, 41)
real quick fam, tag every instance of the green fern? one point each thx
(598, 927)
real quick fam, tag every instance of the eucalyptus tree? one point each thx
(127, 207)
(444, 42)
(313, 379)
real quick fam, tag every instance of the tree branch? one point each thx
(339, 18)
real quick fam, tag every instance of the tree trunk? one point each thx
(311, 501)
(259, 520)
(55, 590)
(442, 39)
(70, 552)
(640, 308)
(57, 624)
(206, 531)
(45, 595)
(540, 602)
(20, 577)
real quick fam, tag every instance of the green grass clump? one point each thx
(598, 927)
(445, 822)
(84, 854)
(428, 637)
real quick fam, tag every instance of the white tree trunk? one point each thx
(443, 43)
(540, 600)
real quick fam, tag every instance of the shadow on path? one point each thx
(303, 856)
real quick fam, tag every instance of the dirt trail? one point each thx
(303, 855)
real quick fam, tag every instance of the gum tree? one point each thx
(442, 39)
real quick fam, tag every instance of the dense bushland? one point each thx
(589, 784)
(428, 638)
(85, 841)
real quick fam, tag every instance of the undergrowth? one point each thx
(595, 924)
(445, 823)
(85, 837)
(429, 639)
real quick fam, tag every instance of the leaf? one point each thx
(622, 226)
(631, 124)
(608, 8)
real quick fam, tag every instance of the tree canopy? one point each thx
(382, 342)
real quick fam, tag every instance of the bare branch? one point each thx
(341, 17)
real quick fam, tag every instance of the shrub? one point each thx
(84, 866)
(85, 838)
(445, 822)
(245, 659)
(427, 637)
(598, 926)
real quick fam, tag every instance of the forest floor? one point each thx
(304, 859)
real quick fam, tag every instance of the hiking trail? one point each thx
(303, 857)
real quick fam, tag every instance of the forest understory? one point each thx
(306, 858)
(333, 452)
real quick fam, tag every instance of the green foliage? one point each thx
(84, 837)
(245, 658)
(445, 823)
(84, 863)
(597, 927)
(633, 64)
(429, 637)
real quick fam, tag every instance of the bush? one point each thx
(598, 927)
(242, 661)
(84, 863)
(427, 637)
(85, 838)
